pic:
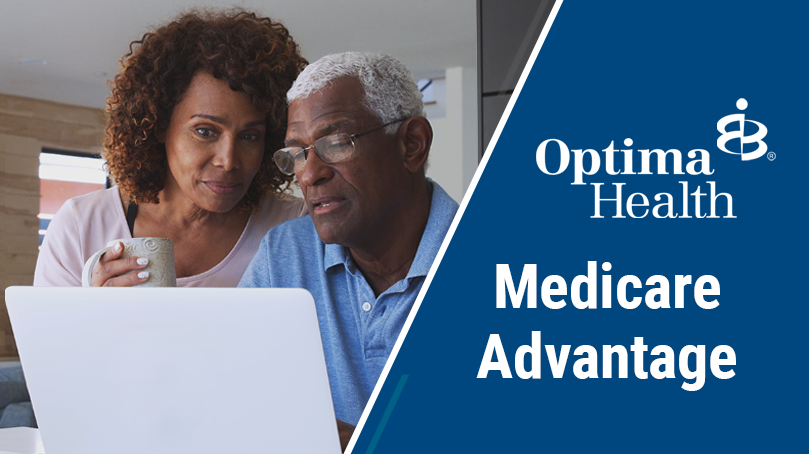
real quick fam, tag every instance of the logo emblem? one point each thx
(756, 137)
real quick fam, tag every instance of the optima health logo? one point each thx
(756, 137)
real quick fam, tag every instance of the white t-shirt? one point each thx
(87, 223)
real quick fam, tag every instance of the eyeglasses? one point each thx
(331, 149)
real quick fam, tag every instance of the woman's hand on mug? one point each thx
(113, 271)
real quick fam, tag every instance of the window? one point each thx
(63, 175)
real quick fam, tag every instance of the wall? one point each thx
(507, 34)
(454, 154)
(26, 125)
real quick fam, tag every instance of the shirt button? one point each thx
(366, 306)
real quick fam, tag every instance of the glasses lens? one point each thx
(335, 148)
(285, 159)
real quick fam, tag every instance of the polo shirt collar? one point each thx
(442, 212)
(336, 255)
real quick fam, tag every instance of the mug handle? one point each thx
(90, 264)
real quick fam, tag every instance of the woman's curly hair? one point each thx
(252, 54)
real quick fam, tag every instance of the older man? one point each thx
(358, 144)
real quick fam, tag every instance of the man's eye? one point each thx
(338, 145)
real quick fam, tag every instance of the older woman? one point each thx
(194, 117)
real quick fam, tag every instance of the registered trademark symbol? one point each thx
(771, 156)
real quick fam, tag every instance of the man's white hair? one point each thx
(390, 90)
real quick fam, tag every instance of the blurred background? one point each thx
(57, 57)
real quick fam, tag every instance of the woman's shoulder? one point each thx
(104, 201)
(83, 225)
(273, 210)
(277, 208)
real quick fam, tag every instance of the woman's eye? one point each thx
(251, 137)
(204, 132)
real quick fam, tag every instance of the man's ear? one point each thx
(417, 136)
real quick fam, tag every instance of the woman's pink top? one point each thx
(87, 223)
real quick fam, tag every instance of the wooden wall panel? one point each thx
(51, 111)
(12, 222)
(61, 125)
(26, 125)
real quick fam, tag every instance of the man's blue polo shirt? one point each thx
(358, 329)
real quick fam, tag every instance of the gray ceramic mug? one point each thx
(159, 251)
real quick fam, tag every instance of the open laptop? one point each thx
(174, 370)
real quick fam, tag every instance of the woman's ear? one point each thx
(160, 133)
(417, 136)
